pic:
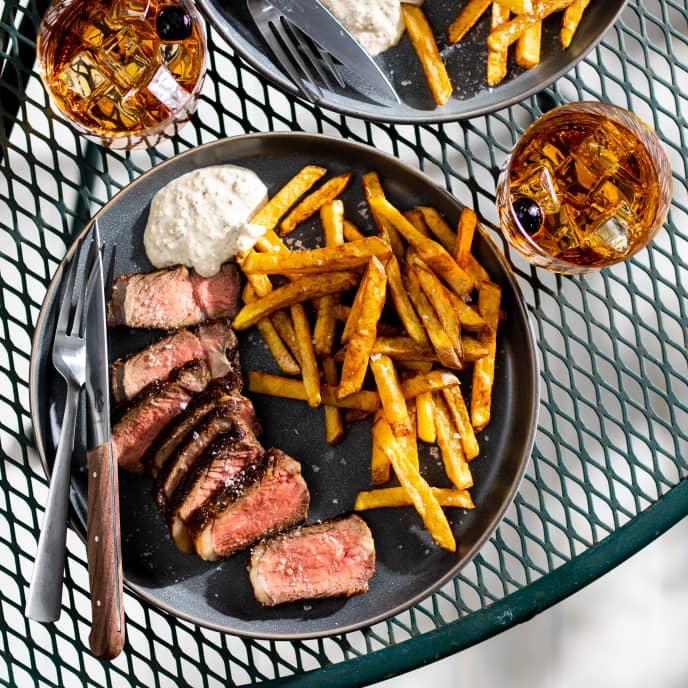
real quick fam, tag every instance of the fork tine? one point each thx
(321, 55)
(66, 303)
(284, 33)
(77, 322)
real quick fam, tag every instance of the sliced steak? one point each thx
(172, 435)
(261, 501)
(225, 416)
(214, 341)
(152, 409)
(235, 457)
(173, 297)
(333, 558)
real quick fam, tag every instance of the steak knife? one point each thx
(321, 25)
(102, 526)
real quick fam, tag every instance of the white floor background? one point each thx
(628, 629)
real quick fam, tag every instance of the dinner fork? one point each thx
(69, 358)
(302, 58)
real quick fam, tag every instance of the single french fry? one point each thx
(424, 44)
(433, 253)
(419, 492)
(282, 323)
(334, 426)
(332, 219)
(291, 388)
(379, 459)
(466, 19)
(303, 289)
(425, 417)
(497, 59)
(372, 188)
(469, 318)
(312, 203)
(439, 227)
(374, 285)
(337, 257)
(476, 271)
(489, 298)
(444, 347)
(449, 442)
(396, 497)
(393, 402)
(309, 365)
(570, 21)
(462, 421)
(351, 232)
(405, 349)
(415, 217)
(402, 303)
(516, 6)
(506, 34)
(528, 46)
(415, 366)
(438, 295)
(468, 221)
(271, 337)
(270, 214)
(433, 381)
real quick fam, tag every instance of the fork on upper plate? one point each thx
(69, 358)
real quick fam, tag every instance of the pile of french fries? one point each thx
(378, 325)
(519, 22)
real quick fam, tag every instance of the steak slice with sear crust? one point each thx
(152, 409)
(263, 500)
(173, 297)
(333, 558)
(214, 342)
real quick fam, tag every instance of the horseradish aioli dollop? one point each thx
(376, 24)
(201, 219)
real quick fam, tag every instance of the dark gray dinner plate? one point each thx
(465, 61)
(409, 565)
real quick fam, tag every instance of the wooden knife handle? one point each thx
(104, 555)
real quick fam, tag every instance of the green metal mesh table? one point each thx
(608, 472)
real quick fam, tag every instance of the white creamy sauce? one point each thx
(376, 24)
(201, 219)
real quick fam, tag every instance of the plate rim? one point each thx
(275, 76)
(534, 391)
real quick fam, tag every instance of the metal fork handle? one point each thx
(44, 600)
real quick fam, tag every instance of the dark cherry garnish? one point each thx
(528, 214)
(173, 23)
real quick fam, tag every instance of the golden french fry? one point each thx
(528, 46)
(418, 490)
(393, 402)
(438, 296)
(312, 203)
(439, 227)
(309, 365)
(396, 497)
(462, 421)
(489, 298)
(570, 21)
(334, 426)
(415, 217)
(291, 388)
(351, 232)
(425, 418)
(374, 286)
(506, 34)
(379, 460)
(476, 271)
(497, 59)
(332, 219)
(271, 337)
(337, 257)
(444, 347)
(516, 6)
(424, 44)
(406, 349)
(269, 215)
(455, 464)
(466, 19)
(433, 253)
(372, 188)
(284, 326)
(415, 366)
(402, 303)
(469, 318)
(429, 382)
(303, 289)
(468, 221)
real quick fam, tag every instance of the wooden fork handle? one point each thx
(104, 555)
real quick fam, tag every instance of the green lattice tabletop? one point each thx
(608, 472)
